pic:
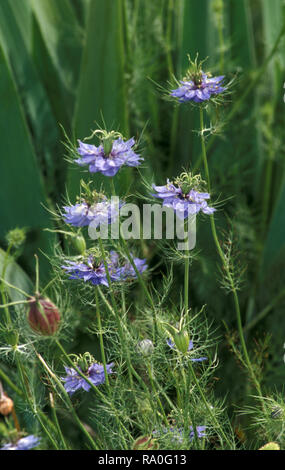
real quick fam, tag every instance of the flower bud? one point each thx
(79, 244)
(145, 347)
(16, 237)
(6, 405)
(145, 443)
(43, 316)
(181, 340)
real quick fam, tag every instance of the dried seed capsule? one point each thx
(6, 405)
(43, 316)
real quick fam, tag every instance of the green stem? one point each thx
(53, 410)
(94, 388)
(30, 401)
(102, 350)
(226, 267)
(143, 285)
(208, 406)
(186, 280)
(155, 394)
(117, 315)
(68, 402)
(10, 383)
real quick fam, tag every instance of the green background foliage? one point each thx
(71, 62)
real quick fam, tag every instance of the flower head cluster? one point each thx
(25, 443)
(178, 433)
(93, 269)
(95, 374)
(171, 344)
(198, 86)
(184, 200)
(109, 156)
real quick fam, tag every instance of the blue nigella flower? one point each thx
(25, 443)
(82, 214)
(178, 433)
(183, 204)
(95, 272)
(171, 344)
(199, 89)
(88, 271)
(95, 373)
(121, 153)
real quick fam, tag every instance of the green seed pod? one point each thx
(108, 144)
(12, 337)
(181, 340)
(79, 244)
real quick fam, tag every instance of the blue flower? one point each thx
(171, 344)
(88, 271)
(199, 90)
(108, 164)
(82, 214)
(128, 271)
(76, 215)
(94, 271)
(183, 204)
(95, 374)
(178, 433)
(25, 443)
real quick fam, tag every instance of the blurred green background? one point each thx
(67, 63)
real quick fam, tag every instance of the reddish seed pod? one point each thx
(43, 316)
(6, 405)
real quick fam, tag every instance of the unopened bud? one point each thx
(79, 244)
(43, 316)
(6, 405)
(145, 347)
(181, 340)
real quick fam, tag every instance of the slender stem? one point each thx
(186, 407)
(208, 406)
(117, 315)
(14, 287)
(30, 401)
(5, 264)
(102, 350)
(68, 402)
(10, 383)
(226, 267)
(155, 392)
(11, 304)
(186, 280)
(37, 274)
(143, 284)
(53, 410)
(94, 388)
